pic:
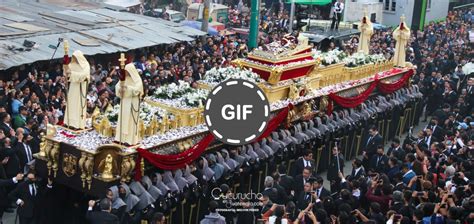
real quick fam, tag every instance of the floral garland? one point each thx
(215, 76)
(180, 95)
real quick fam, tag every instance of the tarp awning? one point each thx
(310, 2)
(93, 31)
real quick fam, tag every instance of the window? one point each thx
(428, 5)
(390, 5)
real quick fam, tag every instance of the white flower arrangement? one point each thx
(377, 58)
(359, 59)
(147, 113)
(181, 95)
(196, 98)
(173, 91)
(215, 76)
(331, 57)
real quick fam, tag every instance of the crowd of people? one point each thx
(423, 179)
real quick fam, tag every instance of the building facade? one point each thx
(388, 12)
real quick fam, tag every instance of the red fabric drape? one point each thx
(330, 107)
(387, 88)
(177, 161)
(275, 122)
(351, 102)
(172, 162)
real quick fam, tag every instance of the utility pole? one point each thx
(205, 20)
(254, 18)
(292, 15)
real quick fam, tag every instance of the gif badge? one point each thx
(237, 112)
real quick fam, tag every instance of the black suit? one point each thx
(356, 175)
(450, 98)
(300, 165)
(299, 184)
(101, 217)
(29, 211)
(3, 194)
(429, 140)
(323, 194)
(282, 196)
(304, 198)
(372, 143)
(379, 163)
(12, 168)
(287, 182)
(6, 129)
(22, 154)
(272, 193)
(438, 132)
(398, 153)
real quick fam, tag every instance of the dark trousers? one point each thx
(2, 209)
(336, 19)
(335, 185)
(24, 220)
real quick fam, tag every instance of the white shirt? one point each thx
(29, 155)
(306, 163)
(357, 171)
(428, 140)
(35, 192)
(272, 220)
(338, 7)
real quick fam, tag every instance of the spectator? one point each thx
(214, 217)
(103, 216)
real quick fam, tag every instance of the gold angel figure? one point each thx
(107, 166)
(125, 169)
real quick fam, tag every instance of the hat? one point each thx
(397, 196)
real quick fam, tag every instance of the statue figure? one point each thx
(366, 30)
(78, 74)
(107, 165)
(130, 90)
(125, 169)
(402, 35)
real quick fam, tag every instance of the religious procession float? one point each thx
(167, 130)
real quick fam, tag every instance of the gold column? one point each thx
(55, 158)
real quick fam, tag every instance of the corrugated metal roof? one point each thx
(112, 31)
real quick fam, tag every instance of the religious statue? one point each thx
(402, 35)
(303, 40)
(366, 30)
(130, 90)
(107, 166)
(78, 75)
